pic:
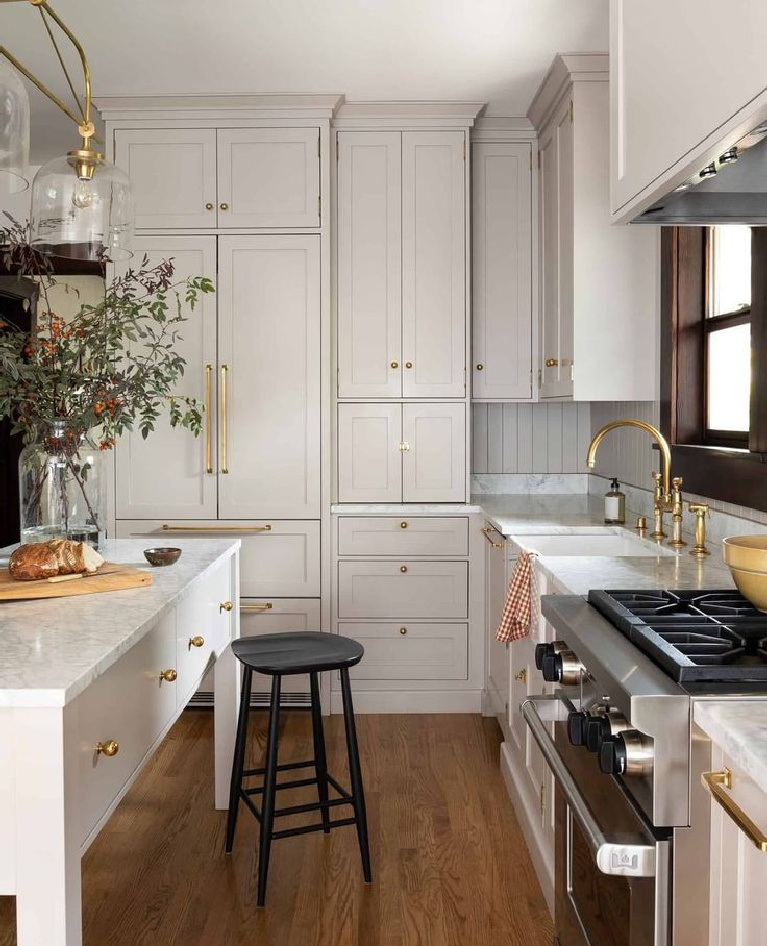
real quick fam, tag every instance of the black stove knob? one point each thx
(541, 651)
(597, 729)
(612, 756)
(551, 667)
(576, 721)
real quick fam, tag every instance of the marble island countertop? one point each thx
(739, 727)
(51, 649)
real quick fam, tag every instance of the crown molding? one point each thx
(497, 128)
(403, 114)
(116, 108)
(566, 69)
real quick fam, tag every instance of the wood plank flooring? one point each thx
(450, 865)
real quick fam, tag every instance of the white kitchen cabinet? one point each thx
(401, 264)
(402, 452)
(275, 616)
(502, 315)
(669, 103)
(599, 284)
(498, 656)
(417, 535)
(410, 651)
(173, 175)
(269, 376)
(268, 177)
(369, 264)
(403, 589)
(169, 473)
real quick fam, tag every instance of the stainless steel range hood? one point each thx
(732, 189)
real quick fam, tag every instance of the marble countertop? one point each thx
(739, 727)
(50, 650)
(407, 509)
(528, 514)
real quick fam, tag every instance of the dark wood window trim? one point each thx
(735, 475)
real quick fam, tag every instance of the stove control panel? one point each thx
(627, 753)
(602, 725)
(557, 664)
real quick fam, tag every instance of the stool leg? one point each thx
(320, 758)
(270, 790)
(238, 762)
(355, 774)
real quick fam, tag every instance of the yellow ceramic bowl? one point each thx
(746, 556)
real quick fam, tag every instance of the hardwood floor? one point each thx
(450, 865)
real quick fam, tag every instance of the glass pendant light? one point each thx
(14, 132)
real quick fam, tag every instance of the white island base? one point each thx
(82, 671)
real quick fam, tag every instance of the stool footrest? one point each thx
(295, 783)
(285, 767)
(307, 829)
(311, 806)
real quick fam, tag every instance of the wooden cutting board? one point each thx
(108, 578)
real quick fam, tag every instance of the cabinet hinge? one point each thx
(570, 111)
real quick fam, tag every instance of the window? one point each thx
(714, 359)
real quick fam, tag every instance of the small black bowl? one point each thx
(165, 556)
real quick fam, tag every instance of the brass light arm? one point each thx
(591, 456)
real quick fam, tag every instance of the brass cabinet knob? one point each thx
(168, 675)
(403, 525)
(403, 630)
(225, 606)
(480, 367)
(403, 568)
(108, 748)
(195, 642)
(552, 362)
(522, 675)
(224, 206)
(395, 364)
(408, 364)
(209, 206)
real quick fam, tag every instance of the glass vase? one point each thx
(62, 488)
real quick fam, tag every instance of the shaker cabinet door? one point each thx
(369, 264)
(172, 473)
(434, 463)
(369, 455)
(433, 264)
(269, 377)
(268, 177)
(173, 175)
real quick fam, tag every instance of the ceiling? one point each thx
(494, 51)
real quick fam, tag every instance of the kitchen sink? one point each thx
(610, 544)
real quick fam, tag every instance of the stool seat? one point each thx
(297, 652)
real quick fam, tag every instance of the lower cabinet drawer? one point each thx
(131, 705)
(410, 651)
(403, 589)
(277, 557)
(419, 535)
(287, 614)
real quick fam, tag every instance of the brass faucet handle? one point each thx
(699, 509)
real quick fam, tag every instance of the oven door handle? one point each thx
(617, 858)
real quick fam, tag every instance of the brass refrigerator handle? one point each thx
(222, 419)
(716, 784)
(169, 527)
(266, 606)
(208, 419)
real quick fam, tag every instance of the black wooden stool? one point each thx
(279, 655)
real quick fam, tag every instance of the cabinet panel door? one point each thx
(268, 177)
(369, 458)
(403, 590)
(269, 377)
(369, 264)
(556, 209)
(433, 264)
(285, 614)
(434, 467)
(173, 174)
(168, 474)
(419, 535)
(502, 274)
(498, 656)
(415, 651)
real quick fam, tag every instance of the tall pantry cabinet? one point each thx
(237, 189)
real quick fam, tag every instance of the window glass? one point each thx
(729, 378)
(729, 269)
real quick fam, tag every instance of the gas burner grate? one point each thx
(696, 637)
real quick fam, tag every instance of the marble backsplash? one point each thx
(569, 484)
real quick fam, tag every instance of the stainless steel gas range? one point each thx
(632, 836)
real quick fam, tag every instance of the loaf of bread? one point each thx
(48, 559)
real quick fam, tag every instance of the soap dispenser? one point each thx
(615, 504)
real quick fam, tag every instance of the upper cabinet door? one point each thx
(269, 377)
(434, 463)
(369, 264)
(369, 454)
(268, 177)
(433, 264)
(173, 174)
(502, 271)
(557, 288)
(169, 473)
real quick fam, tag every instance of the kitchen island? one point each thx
(89, 686)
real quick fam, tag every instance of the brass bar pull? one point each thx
(266, 606)
(170, 527)
(208, 409)
(496, 545)
(224, 459)
(716, 784)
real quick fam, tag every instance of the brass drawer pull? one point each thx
(266, 606)
(403, 568)
(403, 630)
(209, 206)
(496, 545)
(522, 675)
(225, 606)
(173, 528)
(404, 446)
(408, 364)
(395, 364)
(716, 784)
(169, 676)
(195, 642)
(208, 421)
(224, 206)
(403, 525)
(222, 408)
(108, 748)
(480, 367)
(552, 362)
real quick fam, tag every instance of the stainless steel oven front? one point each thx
(612, 868)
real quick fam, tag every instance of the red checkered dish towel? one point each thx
(520, 598)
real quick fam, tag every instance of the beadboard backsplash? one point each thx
(626, 453)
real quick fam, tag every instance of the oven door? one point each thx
(612, 870)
